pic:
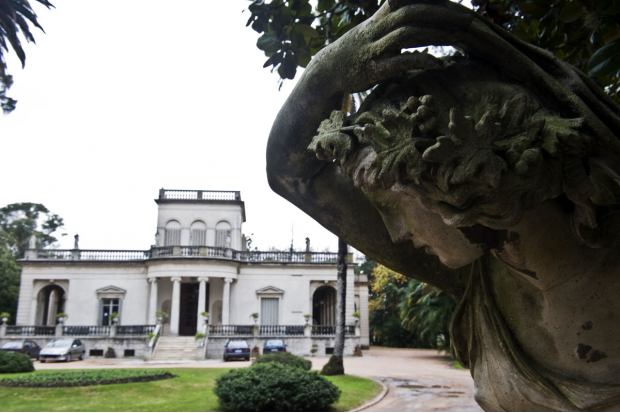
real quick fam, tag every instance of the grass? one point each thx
(457, 365)
(191, 391)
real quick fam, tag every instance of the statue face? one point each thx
(407, 220)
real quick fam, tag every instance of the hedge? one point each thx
(15, 363)
(274, 387)
(286, 359)
(84, 378)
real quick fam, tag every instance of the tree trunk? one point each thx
(335, 365)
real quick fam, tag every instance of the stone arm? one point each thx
(319, 188)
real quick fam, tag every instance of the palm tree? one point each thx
(14, 17)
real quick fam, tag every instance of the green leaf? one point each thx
(571, 12)
(268, 42)
(306, 30)
(605, 61)
(288, 68)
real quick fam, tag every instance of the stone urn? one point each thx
(4, 320)
(115, 320)
(61, 320)
(160, 319)
(307, 317)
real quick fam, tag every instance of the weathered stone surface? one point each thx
(492, 175)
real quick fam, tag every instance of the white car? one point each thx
(66, 349)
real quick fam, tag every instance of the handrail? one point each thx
(189, 195)
(185, 252)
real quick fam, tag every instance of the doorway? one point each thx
(188, 320)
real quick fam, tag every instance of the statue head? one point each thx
(470, 146)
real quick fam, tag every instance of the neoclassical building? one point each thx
(198, 263)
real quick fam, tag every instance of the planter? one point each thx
(160, 319)
(307, 320)
(61, 320)
(115, 320)
(4, 320)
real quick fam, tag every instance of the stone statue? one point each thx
(76, 241)
(307, 244)
(492, 174)
(32, 243)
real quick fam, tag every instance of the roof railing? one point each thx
(199, 195)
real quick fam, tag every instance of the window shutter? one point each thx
(269, 311)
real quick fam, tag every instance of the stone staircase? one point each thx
(175, 349)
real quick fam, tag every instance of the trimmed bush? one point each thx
(84, 378)
(276, 388)
(286, 359)
(15, 363)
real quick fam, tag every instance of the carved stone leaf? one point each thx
(467, 151)
(330, 143)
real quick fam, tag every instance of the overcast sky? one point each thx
(120, 98)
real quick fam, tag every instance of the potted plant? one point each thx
(254, 316)
(205, 316)
(115, 317)
(5, 317)
(307, 317)
(61, 317)
(198, 336)
(357, 316)
(161, 316)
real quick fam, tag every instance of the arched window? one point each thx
(324, 306)
(198, 234)
(222, 234)
(173, 233)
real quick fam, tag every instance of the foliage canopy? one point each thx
(584, 33)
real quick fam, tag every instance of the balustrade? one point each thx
(189, 195)
(187, 251)
(228, 330)
(86, 331)
(30, 330)
(281, 330)
(140, 330)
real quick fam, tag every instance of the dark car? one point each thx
(28, 347)
(274, 346)
(236, 349)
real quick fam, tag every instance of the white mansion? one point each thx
(199, 263)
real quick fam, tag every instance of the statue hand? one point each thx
(370, 53)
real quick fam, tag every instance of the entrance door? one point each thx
(189, 309)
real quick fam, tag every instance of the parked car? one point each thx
(22, 346)
(236, 349)
(66, 349)
(275, 345)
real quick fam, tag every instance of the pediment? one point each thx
(111, 290)
(270, 290)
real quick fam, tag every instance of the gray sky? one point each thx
(120, 98)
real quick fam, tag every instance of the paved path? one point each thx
(418, 380)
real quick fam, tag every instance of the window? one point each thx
(222, 234)
(269, 311)
(109, 306)
(198, 234)
(173, 234)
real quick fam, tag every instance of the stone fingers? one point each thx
(449, 17)
(411, 36)
(397, 65)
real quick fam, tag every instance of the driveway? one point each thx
(417, 380)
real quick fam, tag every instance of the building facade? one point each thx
(198, 264)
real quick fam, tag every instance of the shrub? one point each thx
(286, 359)
(15, 363)
(274, 387)
(84, 378)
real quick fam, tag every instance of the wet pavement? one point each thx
(417, 380)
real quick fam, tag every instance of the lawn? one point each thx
(191, 391)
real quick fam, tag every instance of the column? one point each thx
(202, 300)
(52, 308)
(152, 319)
(176, 306)
(32, 319)
(226, 301)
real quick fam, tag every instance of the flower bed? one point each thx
(84, 378)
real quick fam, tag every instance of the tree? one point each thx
(335, 365)
(14, 17)
(585, 33)
(427, 312)
(18, 222)
(9, 283)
